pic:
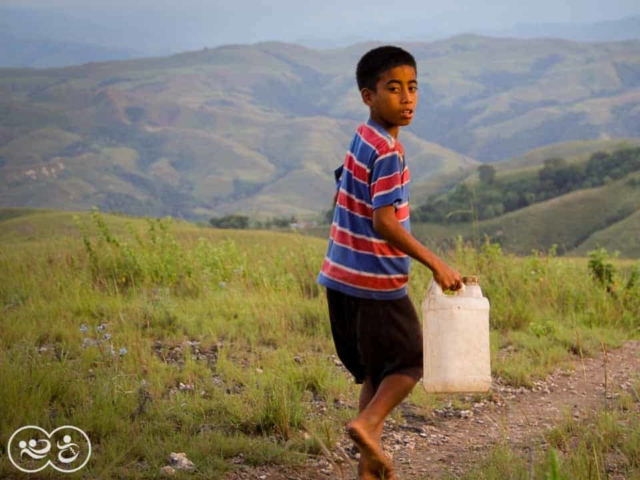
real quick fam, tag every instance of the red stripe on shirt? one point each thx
(353, 205)
(357, 170)
(406, 177)
(402, 213)
(362, 244)
(342, 275)
(375, 139)
(385, 184)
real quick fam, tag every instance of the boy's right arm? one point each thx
(388, 227)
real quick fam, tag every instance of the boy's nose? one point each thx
(406, 98)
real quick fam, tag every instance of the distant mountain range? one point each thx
(259, 128)
(421, 30)
(54, 37)
(606, 31)
(33, 53)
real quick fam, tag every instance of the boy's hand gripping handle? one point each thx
(435, 290)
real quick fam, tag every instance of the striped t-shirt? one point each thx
(359, 262)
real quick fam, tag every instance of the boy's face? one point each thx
(393, 103)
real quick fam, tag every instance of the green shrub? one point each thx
(157, 259)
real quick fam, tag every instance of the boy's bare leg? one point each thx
(366, 429)
(366, 395)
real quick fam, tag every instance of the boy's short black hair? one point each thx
(376, 61)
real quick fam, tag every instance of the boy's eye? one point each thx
(412, 89)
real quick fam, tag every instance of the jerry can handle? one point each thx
(435, 290)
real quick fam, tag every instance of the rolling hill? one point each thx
(567, 221)
(622, 237)
(573, 152)
(522, 166)
(259, 128)
(576, 223)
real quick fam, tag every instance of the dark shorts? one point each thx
(375, 338)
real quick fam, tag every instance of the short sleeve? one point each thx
(386, 181)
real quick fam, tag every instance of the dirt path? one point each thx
(449, 441)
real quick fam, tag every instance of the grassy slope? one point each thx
(566, 221)
(9, 213)
(556, 223)
(571, 151)
(622, 236)
(37, 225)
(527, 164)
(33, 225)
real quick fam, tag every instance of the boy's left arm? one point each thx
(388, 227)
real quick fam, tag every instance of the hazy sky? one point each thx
(201, 22)
(492, 12)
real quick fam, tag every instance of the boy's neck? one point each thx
(392, 130)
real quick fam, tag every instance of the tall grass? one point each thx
(164, 338)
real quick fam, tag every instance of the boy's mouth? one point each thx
(408, 113)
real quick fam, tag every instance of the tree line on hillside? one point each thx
(242, 222)
(493, 196)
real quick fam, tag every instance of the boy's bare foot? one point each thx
(364, 473)
(373, 458)
(390, 476)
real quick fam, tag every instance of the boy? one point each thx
(375, 327)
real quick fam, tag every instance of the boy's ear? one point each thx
(367, 96)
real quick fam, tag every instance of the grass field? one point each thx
(156, 336)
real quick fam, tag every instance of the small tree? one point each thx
(487, 174)
(551, 165)
(602, 271)
(284, 222)
(240, 222)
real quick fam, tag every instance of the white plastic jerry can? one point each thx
(457, 356)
